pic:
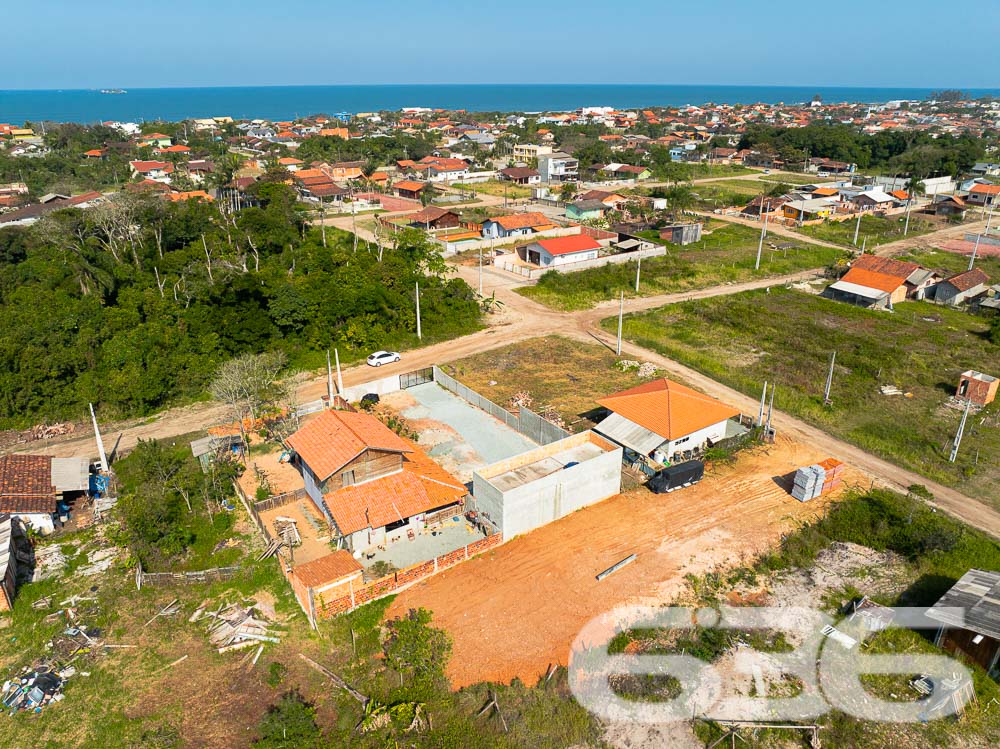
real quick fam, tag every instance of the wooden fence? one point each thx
(214, 575)
(263, 505)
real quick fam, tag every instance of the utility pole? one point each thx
(329, 379)
(975, 251)
(480, 270)
(638, 270)
(770, 409)
(763, 399)
(960, 432)
(100, 441)
(829, 379)
(340, 379)
(760, 245)
(419, 335)
(857, 228)
(322, 225)
(621, 317)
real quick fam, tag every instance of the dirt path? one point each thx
(517, 609)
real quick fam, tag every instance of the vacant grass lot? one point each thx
(567, 376)
(786, 337)
(952, 262)
(495, 187)
(725, 255)
(874, 231)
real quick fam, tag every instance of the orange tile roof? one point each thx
(827, 191)
(289, 161)
(570, 244)
(421, 486)
(409, 185)
(335, 438)
(191, 195)
(901, 269)
(522, 221)
(327, 569)
(668, 409)
(986, 189)
(26, 484)
(872, 279)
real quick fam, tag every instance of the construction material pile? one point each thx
(235, 627)
(815, 480)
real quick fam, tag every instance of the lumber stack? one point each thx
(236, 627)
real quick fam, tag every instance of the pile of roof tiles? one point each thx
(815, 480)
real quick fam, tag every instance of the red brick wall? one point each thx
(385, 585)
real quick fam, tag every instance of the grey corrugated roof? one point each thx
(629, 434)
(973, 603)
(866, 292)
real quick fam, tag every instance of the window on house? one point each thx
(348, 478)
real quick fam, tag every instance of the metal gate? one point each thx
(419, 377)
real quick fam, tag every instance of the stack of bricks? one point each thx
(834, 469)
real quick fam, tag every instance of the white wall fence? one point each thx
(534, 273)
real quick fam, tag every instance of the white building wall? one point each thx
(540, 502)
(575, 257)
(696, 439)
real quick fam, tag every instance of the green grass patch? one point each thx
(875, 230)
(725, 255)
(786, 337)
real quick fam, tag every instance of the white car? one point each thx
(382, 357)
(767, 171)
(822, 174)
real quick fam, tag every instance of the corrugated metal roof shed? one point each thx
(866, 292)
(629, 434)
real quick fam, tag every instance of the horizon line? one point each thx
(485, 84)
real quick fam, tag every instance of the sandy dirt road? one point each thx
(517, 609)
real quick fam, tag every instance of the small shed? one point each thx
(979, 388)
(682, 234)
(206, 449)
(969, 615)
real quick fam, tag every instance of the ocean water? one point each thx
(286, 102)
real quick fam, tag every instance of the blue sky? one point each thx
(919, 43)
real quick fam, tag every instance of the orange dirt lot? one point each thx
(515, 610)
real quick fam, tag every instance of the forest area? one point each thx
(133, 305)
(912, 152)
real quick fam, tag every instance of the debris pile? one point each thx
(46, 431)
(235, 627)
(35, 688)
(287, 530)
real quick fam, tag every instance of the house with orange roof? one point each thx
(94, 153)
(983, 195)
(200, 195)
(880, 282)
(178, 148)
(665, 420)
(551, 253)
(516, 225)
(373, 486)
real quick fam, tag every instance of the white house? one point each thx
(550, 253)
(663, 419)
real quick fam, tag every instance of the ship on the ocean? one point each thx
(113, 91)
